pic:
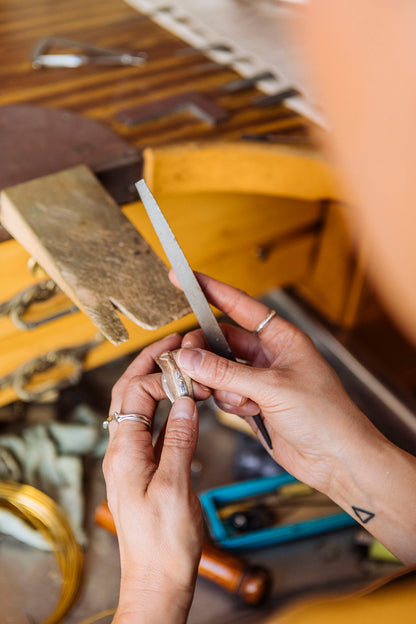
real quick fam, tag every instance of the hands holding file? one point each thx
(319, 435)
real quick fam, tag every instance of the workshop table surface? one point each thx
(30, 580)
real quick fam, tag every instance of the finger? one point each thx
(142, 394)
(237, 304)
(129, 462)
(179, 444)
(142, 365)
(245, 345)
(235, 403)
(195, 338)
(221, 374)
(248, 418)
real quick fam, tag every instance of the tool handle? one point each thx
(250, 583)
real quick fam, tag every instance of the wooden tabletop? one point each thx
(100, 93)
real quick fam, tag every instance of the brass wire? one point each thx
(98, 616)
(47, 517)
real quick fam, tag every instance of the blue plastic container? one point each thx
(216, 498)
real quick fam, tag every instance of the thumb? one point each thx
(221, 374)
(180, 439)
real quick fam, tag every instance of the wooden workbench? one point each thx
(250, 237)
(243, 223)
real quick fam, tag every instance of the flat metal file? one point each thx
(190, 285)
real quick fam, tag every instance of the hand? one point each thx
(310, 418)
(156, 513)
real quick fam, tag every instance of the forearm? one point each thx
(375, 482)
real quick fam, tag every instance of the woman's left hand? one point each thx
(156, 513)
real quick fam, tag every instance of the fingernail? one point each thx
(190, 359)
(187, 344)
(183, 408)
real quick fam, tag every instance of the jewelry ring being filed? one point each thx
(266, 321)
(120, 417)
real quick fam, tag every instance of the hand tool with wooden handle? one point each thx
(250, 583)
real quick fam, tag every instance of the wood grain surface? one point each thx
(81, 238)
(102, 92)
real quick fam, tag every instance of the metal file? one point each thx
(190, 285)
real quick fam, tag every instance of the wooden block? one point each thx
(78, 234)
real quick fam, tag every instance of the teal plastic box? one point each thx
(212, 500)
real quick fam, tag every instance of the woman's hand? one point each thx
(318, 434)
(310, 418)
(156, 513)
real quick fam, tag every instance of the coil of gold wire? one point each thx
(43, 514)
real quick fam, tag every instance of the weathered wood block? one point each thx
(78, 234)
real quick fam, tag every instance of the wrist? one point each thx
(353, 476)
(373, 481)
(151, 602)
(346, 446)
(154, 607)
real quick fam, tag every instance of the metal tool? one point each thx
(88, 55)
(278, 138)
(276, 98)
(16, 307)
(200, 104)
(190, 285)
(248, 82)
(212, 47)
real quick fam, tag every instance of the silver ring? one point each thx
(175, 382)
(120, 417)
(266, 321)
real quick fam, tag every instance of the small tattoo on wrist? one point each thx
(362, 514)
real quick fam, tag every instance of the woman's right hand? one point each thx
(310, 418)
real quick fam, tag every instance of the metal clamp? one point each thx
(21, 378)
(20, 303)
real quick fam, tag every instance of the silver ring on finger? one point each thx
(120, 417)
(264, 323)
